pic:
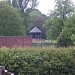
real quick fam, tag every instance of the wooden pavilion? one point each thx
(35, 33)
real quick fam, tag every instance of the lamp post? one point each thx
(50, 34)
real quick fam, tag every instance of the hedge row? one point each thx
(39, 61)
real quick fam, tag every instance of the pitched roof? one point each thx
(35, 30)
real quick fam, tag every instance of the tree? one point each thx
(34, 18)
(69, 28)
(53, 27)
(63, 9)
(9, 1)
(15, 3)
(64, 42)
(11, 21)
(26, 7)
(25, 4)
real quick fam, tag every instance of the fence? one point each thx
(10, 41)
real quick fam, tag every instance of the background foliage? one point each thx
(11, 21)
(19, 17)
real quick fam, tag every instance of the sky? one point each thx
(46, 5)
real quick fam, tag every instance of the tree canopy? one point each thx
(62, 11)
(24, 4)
(11, 21)
(69, 28)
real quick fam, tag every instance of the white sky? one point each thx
(46, 5)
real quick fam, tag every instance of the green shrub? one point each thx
(39, 60)
(64, 42)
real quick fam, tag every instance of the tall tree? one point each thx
(69, 28)
(53, 28)
(25, 4)
(63, 8)
(11, 21)
(15, 3)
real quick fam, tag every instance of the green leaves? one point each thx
(69, 28)
(11, 21)
(38, 61)
(63, 8)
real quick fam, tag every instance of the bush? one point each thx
(64, 42)
(39, 61)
